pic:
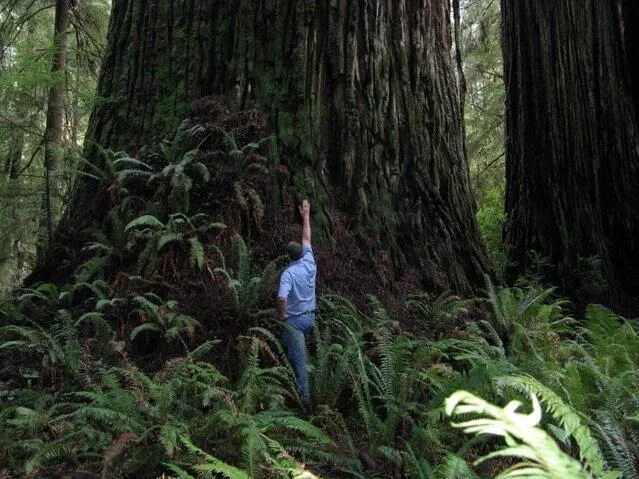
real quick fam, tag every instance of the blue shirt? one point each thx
(297, 284)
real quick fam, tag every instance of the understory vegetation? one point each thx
(161, 358)
(79, 395)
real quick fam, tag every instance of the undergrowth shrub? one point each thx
(163, 357)
(490, 220)
(78, 396)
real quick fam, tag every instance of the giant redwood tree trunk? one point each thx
(363, 99)
(572, 144)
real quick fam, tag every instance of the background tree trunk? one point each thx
(53, 130)
(10, 235)
(362, 96)
(572, 146)
(630, 19)
(14, 156)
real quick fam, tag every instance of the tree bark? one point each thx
(572, 146)
(14, 156)
(11, 234)
(630, 27)
(55, 114)
(362, 96)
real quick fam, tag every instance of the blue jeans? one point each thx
(296, 330)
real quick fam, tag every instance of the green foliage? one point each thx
(454, 467)
(543, 457)
(383, 389)
(336, 348)
(152, 237)
(491, 221)
(525, 317)
(245, 156)
(26, 55)
(162, 318)
(441, 309)
(484, 116)
(245, 290)
(174, 183)
(82, 396)
(572, 423)
(117, 167)
(57, 346)
(207, 465)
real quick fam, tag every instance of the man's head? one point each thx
(294, 250)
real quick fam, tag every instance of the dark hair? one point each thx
(294, 250)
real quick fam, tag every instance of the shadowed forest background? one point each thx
(472, 168)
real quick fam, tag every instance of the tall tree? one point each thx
(572, 146)
(10, 234)
(484, 119)
(27, 59)
(363, 97)
(55, 115)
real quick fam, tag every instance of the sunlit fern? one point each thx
(542, 457)
(574, 424)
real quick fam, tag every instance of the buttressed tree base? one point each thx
(362, 97)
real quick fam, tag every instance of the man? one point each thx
(296, 302)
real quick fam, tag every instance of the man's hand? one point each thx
(305, 211)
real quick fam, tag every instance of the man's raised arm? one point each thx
(305, 211)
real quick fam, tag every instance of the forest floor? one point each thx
(158, 355)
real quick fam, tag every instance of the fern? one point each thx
(419, 467)
(180, 473)
(331, 363)
(523, 438)
(196, 256)
(441, 309)
(244, 289)
(178, 178)
(454, 467)
(145, 221)
(169, 239)
(618, 450)
(242, 259)
(236, 152)
(144, 327)
(103, 330)
(270, 277)
(572, 422)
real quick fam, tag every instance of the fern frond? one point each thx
(144, 327)
(168, 239)
(203, 349)
(522, 436)
(573, 423)
(145, 221)
(211, 465)
(618, 450)
(180, 473)
(128, 161)
(196, 257)
(454, 467)
(201, 172)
